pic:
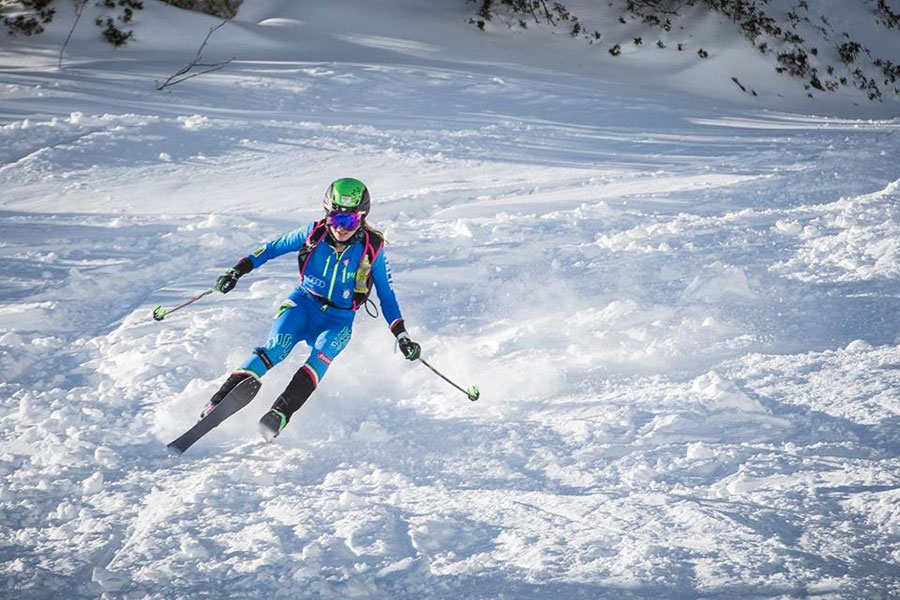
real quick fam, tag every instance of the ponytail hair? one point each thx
(371, 229)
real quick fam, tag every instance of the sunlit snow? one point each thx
(682, 311)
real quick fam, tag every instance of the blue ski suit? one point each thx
(321, 310)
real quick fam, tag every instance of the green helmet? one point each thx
(347, 195)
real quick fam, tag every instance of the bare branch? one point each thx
(79, 8)
(182, 74)
(174, 79)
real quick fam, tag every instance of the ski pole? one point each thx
(160, 313)
(473, 392)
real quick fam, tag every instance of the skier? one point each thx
(340, 258)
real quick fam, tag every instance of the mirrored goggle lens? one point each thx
(346, 221)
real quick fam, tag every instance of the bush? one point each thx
(112, 34)
(538, 10)
(848, 51)
(890, 19)
(796, 63)
(36, 14)
(225, 9)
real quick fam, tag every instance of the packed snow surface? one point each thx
(682, 313)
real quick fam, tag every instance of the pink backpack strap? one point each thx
(372, 245)
(316, 235)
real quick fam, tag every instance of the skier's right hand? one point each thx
(227, 281)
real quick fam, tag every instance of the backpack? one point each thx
(372, 245)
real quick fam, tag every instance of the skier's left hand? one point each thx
(410, 349)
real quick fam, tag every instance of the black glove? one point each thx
(229, 279)
(410, 349)
(226, 282)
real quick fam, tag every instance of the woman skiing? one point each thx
(340, 258)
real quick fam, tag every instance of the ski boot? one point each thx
(291, 399)
(272, 423)
(230, 383)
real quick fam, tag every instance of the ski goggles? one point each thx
(344, 220)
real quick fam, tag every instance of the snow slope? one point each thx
(682, 313)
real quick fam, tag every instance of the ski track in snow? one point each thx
(682, 318)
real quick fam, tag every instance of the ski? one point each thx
(236, 399)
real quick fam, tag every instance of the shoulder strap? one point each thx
(315, 237)
(372, 245)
